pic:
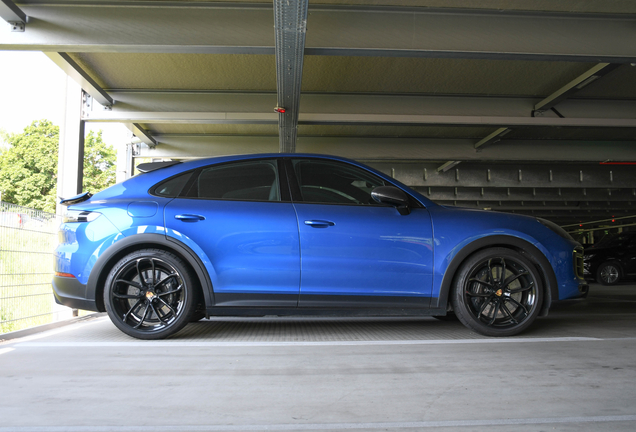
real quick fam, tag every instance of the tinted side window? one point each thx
(335, 183)
(172, 187)
(245, 181)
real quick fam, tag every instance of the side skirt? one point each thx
(326, 312)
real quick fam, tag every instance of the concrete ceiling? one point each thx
(445, 87)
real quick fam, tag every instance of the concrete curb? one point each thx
(44, 327)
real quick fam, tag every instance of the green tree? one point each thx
(28, 165)
(99, 163)
(28, 168)
(4, 140)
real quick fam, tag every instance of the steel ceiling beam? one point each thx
(544, 205)
(13, 15)
(493, 137)
(183, 117)
(514, 175)
(356, 103)
(141, 133)
(555, 98)
(389, 150)
(468, 193)
(290, 23)
(447, 166)
(79, 75)
(335, 30)
(394, 119)
(574, 86)
(360, 119)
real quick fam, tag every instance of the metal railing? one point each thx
(27, 240)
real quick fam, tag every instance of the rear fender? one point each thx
(115, 252)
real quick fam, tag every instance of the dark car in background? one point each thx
(611, 260)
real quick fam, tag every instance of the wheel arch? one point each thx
(118, 250)
(548, 278)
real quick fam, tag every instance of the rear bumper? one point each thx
(70, 292)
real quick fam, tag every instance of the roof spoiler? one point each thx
(76, 199)
(151, 166)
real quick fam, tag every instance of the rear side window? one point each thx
(172, 187)
(243, 181)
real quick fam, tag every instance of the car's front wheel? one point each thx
(497, 292)
(608, 273)
(149, 294)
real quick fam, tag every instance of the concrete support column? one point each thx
(71, 153)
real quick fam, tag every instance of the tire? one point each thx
(150, 294)
(608, 273)
(497, 292)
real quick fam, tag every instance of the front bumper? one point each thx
(70, 292)
(584, 289)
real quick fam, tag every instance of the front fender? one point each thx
(445, 272)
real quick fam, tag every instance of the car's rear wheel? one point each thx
(497, 292)
(149, 294)
(608, 273)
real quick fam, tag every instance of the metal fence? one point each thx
(27, 240)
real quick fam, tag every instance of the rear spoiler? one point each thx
(151, 166)
(76, 199)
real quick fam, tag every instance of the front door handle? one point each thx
(189, 217)
(319, 223)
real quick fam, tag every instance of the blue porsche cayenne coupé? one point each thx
(295, 234)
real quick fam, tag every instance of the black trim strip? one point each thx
(255, 300)
(283, 181)
(362, 301)
(294, 186)
(325, 312)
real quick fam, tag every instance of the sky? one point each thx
(32, 87)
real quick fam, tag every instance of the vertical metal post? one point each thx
(290, 22)
(80, 157)
(71, 150)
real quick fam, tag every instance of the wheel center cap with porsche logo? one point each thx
(499, 292)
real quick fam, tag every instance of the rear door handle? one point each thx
(189, 217)
(319, 223)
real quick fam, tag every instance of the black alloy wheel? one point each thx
(150, 294)
(608, 273)
(498, 292)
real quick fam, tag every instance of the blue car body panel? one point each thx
(368, 251)
(251, 247)
(263, 253)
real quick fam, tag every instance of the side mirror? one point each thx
(390, 195)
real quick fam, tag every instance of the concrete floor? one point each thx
(572, 371)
